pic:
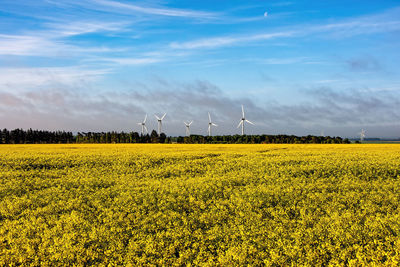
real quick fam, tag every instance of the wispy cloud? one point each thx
(129, 60)
(24, 45)
(61, 28)
(228, 40)
(45, 45)
(282, 3)
(385, 22)
(30, 78)
(280, 61)
(160, 11)
(361, 27)
(328, 81)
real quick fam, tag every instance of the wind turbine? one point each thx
(362, 135)
(188, 127)
(210, 123)
(160, 122)
(143, 124)
(243, 120)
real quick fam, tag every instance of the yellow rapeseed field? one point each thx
(202, 205)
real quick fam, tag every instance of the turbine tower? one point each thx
(188, 127)
(160, 122)
(362, 135)
(243, 120)
(143, 124)
(210, 124)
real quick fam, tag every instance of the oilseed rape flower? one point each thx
(152, 204)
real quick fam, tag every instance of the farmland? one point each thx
(200, 204)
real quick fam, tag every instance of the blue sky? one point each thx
(298, 67)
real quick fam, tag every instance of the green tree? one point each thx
(154, 136)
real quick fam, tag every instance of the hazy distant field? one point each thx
(381, 142)
(199, 204)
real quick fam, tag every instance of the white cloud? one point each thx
(60, 28)
(172, 12)
(353, 28)
(39, 44)
(281, 4)
(281, 61)
(129, 61)
(23, 45)
(228, 40)
(385, 22)
(27, 78)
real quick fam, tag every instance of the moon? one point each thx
(265, 14)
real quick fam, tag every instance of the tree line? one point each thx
(19, 136)
(262, 139)
(122, 137)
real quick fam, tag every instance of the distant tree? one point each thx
(154, 136)
(162, 138)
(135, 137)
(6, 136)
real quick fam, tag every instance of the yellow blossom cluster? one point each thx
(201, 205)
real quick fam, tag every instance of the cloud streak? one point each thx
(44, 46)
(129, 60)
(61, 28)
(19, 79)
(170, 12)
(386, 22)
(228, 40)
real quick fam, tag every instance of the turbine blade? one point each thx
(240, 123)
(249, 122)
(185, 123)
(213, 124)
(145, 128)
(190, 123)
(209, 117)
(163, 116)
(139, 123)
(156, 117)
(145, 118)
(242, 111)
